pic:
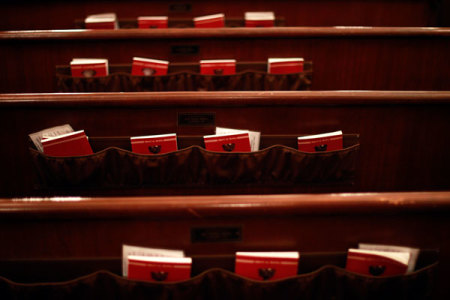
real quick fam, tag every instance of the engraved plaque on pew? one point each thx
(196, 119)
(185, 49)
(216, 234)
(180, 7)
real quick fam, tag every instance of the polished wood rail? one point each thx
(204, 207)
(251, 33)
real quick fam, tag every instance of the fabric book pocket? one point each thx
(328, 282)
(250, 77)
(194, 166)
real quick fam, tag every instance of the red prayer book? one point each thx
(159, 268)
(377, 263)
(218, 67)
(149, 67)
(69, 144)
(413, 252)
(101, 21)
(236, 142)
(89, 67)
(210, 21)
(259, 19)
(284, 65)
(154, 144)
(321, 142)
(153, 22)
(267, 265)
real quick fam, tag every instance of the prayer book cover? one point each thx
(377, 263)
(321, 142)
(152, 22)
(285, 65)
(159, 268)
(210, 21)
(218, 67)
(154, 144)
(267, 265)
(101, 21)
(149, 67)
(234, 142)
(259, 19)
(89, 67)
(69, 144)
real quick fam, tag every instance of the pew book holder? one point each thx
(186, 77)
(182, 23)
(279, 163)
(321, 276)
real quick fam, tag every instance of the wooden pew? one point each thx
(53, 14)
(344, 58)
(57, 239)
(402, 135)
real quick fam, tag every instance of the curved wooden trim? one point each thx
(183, 33)
(228, 99)
(199, 207)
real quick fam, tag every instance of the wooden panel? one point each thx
(40, 229)
(62, 14)
(402, 134)
(343, 58)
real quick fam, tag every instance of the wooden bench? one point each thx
(57, 239)
(344, 58)
(54, 14)
(401, 134)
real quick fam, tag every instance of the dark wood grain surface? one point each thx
(52, 14)
(402, 134)
(43, 234)
(343, 58)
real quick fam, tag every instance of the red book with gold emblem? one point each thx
(218, 67)
(235, 142)
(154, 144)
(152, 22)
(89, 67)
(69, 144)
(284, 65)
(377, 263)
(259, 19)
(321, 142)
(159, 268)
(149, 67)
(210, 21)
(267, 265)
